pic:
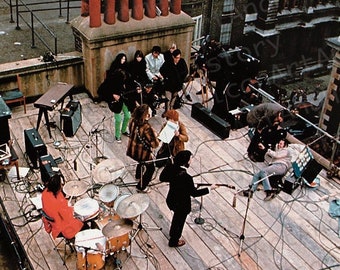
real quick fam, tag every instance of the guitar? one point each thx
(117, 105)
(219, 185)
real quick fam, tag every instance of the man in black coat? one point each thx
(179, 196)
(174, 72)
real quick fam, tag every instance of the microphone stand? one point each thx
(242, 237)
(97, 131)
(199, 219)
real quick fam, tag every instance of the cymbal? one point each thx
(75, 188)
(108, 170)
(117, 227)
(133, 205)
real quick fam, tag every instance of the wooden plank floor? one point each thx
(290, 232)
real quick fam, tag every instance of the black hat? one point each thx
(182, 158)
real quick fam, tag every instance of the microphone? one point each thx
(234, 201)
(75, 165)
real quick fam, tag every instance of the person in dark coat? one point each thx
(179, 196)
(137, 68)
(174, 73)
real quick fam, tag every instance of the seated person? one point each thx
(266, 118)
(279, 162)
(56, 207)
(150, 98)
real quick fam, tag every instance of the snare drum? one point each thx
(119, 199)
(91, 247)
(108, 193)
(86, 209)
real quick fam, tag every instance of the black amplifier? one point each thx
(48, 168)
(35, 147)
(210, 120)
(71, 118)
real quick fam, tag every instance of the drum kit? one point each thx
(114, 220)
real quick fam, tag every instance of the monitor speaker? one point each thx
(35, 147)
(71, 118)
(210, 120)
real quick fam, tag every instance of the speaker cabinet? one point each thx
(71, 118)
(311, 171)
(48, 168)
(35, 147)
(210, 120)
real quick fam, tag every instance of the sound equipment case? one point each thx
(71, 118)
(35, 147)
(210, 120)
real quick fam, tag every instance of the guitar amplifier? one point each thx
(210, 120)
(48, 168)
(71, 118)
(35, 147)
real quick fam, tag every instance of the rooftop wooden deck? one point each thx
(290, 232)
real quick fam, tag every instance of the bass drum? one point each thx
(91, 247)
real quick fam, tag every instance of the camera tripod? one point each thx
(205, 84)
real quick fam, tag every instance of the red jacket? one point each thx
(58, 209)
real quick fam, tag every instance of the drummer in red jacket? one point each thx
(57, 214)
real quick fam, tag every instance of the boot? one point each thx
(270, 195)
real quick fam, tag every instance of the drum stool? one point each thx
(68, 243)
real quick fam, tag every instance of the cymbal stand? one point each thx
(242, 237)
(140, 227)
(88, 144)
